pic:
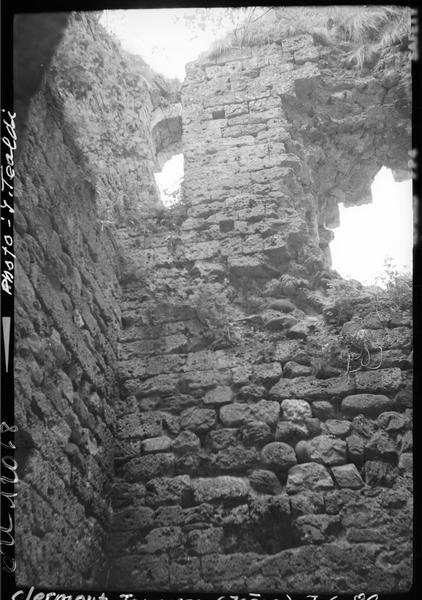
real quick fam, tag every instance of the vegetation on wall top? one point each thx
(365, 30)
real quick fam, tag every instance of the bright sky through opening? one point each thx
(367, 233)
(371, 232)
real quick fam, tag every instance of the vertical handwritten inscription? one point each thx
(8, 477)
(7, 186)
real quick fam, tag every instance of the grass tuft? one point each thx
(367, 31)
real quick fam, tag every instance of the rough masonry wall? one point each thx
(249, 454)
(86, 160)
(67, 319)
(246, 455)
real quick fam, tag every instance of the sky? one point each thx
(164, 38)
(371, 232)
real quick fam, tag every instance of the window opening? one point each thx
(371, 234)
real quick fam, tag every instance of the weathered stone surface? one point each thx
(275, 321)
(307, 503)
(366, 404)
(312, 389)
(265, 482)
(278, 455)
(293, 369)
(185, 572)
(308, 476)
(267, 411)
(392, 421)
(198, 419)
(315, 529)
(380, 446)
(282, 305)
(146, 467)
(290, 432)
(236, 459)
(257, 434)
(168, 490)
(347, 476)
(299, 331)
(222, 394)
(267, 373)
(205, 541)
(379, 473)
(236, 414)
(158, 444)
(186, 442)
(326, 450)
(378, 382)
(355, 449)
(161, 539)
(133, 518)
(224, 438)
(406, 462)
(296, 410)
(323, 410)
(145, 425)
(252, 392)
(223, 487)
(337, 427)
(276, 508)
(286, 350)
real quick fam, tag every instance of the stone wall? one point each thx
(233, 416)
(75, 180)
(264, 423)
(240, 464)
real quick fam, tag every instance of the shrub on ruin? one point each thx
(398, 287)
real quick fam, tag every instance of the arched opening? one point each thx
(169, 180)
(169, 163)
(371, 234)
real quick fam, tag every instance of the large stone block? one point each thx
(308, 476)
(236, 459)
(287, 350)
(337, 427)
(290, 432)
(133, 518)
(296, 410)
(198, 419)
(156, 444)
(382, 381)
(256, 433)
(148, 466)
(162, 539)
(278, 456)
(312, 389)
(327, 450)
(315, 529)
(347, 476)
(186, 442)
(205, 541)
(145, 425)
(224, 438)
(224, 487)
(233, 415)
(366, 404)
(222, 394)
(267, 411)
(265, 482)
(168, 490)
(267, 372)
